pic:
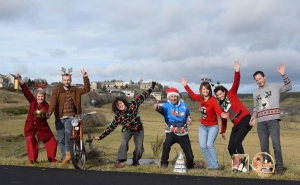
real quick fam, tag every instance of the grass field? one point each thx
(101, 157)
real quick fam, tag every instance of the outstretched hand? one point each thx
(84, 73)
(281, 68)
(236, 66)
(96, 138)
(224, 115)
(183, 81)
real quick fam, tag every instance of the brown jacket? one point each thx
(58, 97)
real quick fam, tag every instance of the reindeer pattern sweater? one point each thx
(266, 100)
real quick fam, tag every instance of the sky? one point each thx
(160, 40)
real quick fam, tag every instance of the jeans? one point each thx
(207, 137)
(266, 129)
(238, 134)
(139, 147)
(185, 144)
(64, 132)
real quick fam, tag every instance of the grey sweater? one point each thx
(266, 100)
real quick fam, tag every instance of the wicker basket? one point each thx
(256, 168)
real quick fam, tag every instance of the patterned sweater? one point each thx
(266, 100)
(130, 119)
(233, 105)
(175, 117)
(209, 109)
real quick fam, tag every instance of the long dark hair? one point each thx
(223, 89)
(114, 107)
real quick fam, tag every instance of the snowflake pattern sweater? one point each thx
(130, 119)
(233, 105)
(266, 100)
(209, 109)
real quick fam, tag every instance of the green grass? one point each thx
(13, 151)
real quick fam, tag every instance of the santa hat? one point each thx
(172, 91)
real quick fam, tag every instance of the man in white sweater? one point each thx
(267, 111)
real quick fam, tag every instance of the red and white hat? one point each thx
(172, 91)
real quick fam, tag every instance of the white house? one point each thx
(129, 94)
(156, 95)
(11, 79)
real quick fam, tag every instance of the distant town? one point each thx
(114, 87)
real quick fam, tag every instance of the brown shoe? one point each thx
(118, 164)
(67, 158)
(29, 162)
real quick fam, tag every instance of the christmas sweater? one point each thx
(233, 105)
(175, 117)
(130, 119)
(266, 100)
(209, 109)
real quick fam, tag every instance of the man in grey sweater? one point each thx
(267, 111)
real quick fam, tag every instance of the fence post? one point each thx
(90, 140)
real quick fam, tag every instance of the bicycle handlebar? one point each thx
(81, 116)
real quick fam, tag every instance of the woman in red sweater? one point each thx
(209, 128)
(37, 126)
(237, 112)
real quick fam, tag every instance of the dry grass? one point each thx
(13, 152)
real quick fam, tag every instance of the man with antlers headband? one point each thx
(66, 102)
(37, 125)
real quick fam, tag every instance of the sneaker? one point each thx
(135, 163)
(280, 172)
(213, 169)
(163, 165)
(118, 164)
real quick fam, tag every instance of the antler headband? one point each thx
(206, 80)
(39, 86)
(64, 71)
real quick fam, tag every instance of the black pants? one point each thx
(185, 144)
(237, 136)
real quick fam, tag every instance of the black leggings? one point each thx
(237, 136)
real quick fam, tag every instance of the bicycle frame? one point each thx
(78, 151)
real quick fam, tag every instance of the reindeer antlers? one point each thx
(70, 70)
(39, 86)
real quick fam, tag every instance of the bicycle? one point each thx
(78, 151)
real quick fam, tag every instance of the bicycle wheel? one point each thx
(78, 156)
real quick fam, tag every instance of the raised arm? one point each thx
(189, 90)
(86, 83)
(287, 83)
(142, 97)
(237, 76)
(27, 93)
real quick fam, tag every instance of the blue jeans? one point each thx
(207, 137)
(266, 129)
(64, 132)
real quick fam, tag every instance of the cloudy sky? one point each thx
(160, 40)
